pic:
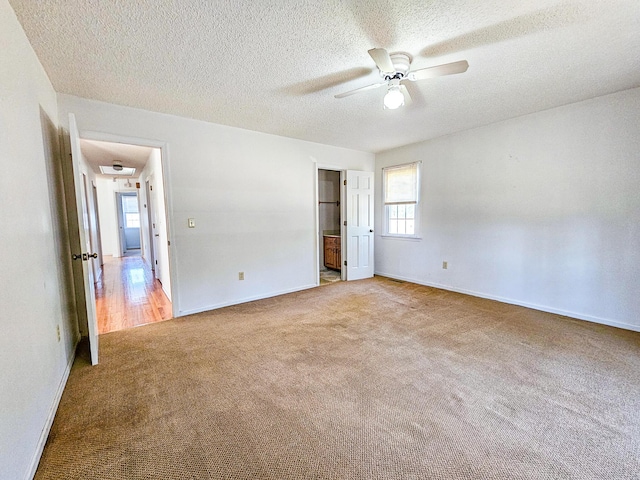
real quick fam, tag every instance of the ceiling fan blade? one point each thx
(438, 71)
(361, 89)
(382, 59)
(407, 98)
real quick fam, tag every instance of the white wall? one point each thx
(541, 210)
(153, 173)
(35, 284)
(252, 195)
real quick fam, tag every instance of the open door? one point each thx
(359, 229)
(83, 230)
(154, 227)
(150, 225)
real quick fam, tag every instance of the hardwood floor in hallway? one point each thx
(128, 295)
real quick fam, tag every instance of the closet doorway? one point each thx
(330, 226)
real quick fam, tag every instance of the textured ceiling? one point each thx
(275, 66)
(104, 153)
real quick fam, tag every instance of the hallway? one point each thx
(128, 295)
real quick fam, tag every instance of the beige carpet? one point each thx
(356, 380)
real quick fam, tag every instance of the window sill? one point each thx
(401, 237)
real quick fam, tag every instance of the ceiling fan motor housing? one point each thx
(401, 63)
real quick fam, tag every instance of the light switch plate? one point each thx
(192, 223)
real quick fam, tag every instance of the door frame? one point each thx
(152, 248)
(165, 164)
(122, 223)
(98, 246)
(154, 235)
(343, 211)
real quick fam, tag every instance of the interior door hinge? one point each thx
(345, 263)
(345, 182)
(345, 223)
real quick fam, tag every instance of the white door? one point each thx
(152, 246)
(97, 245)
(155, 229)
(359, 230)
(83, 227)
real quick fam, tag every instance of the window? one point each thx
(401, 199)
(132, 220)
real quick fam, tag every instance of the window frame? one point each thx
(386, 206)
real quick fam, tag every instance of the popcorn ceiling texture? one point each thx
(275, 66)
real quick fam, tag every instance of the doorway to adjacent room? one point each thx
(329, 226)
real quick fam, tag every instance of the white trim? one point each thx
(533, 306)
(244, 300)
(343, 227)
(317, 212)
(326, 166)
(44, 435)
(109, 137)
(401, 237)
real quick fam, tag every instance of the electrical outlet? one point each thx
(445, 265)
(241, 276)
(58, 331)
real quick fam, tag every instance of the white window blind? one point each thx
(401, 184)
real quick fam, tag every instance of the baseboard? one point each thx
(542, 308)
(49, 422)
(244, 300)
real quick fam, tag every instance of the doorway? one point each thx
(135, 288)
(329, 226)
(129, 223)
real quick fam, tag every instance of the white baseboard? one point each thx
(244, 300)
(49, 422)
(542, 308)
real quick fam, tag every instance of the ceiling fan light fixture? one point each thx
(393, 98)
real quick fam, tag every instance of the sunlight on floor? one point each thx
(136, 275)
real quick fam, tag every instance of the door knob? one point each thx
(371, 231)
(76, 257)
(93, 255)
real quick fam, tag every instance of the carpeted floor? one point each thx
(372, 379)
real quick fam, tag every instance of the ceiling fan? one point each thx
(394, 69)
